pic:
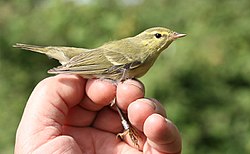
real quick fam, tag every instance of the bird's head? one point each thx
(158, 38)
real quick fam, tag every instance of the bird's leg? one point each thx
(128, 128)
(124, 74)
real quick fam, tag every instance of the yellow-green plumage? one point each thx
(117, 60)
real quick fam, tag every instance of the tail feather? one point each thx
(35, 48)
(53, 52)
(63, 54)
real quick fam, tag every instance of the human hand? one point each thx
(69, 114)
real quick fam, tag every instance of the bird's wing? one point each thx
(89, 62)
(106, 59)
(121, 61)
(125, 54)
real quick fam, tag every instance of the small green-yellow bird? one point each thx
(117, 60)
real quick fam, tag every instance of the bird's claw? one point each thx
(133, 135)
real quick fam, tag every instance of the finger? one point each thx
(129, 91)
(79, 117)
(108, 120)
(54, 96)
(141, 109)
(99, 94)
(48, 106)
(162, 134)
(138, 112)
(159, 107)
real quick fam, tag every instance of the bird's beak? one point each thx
(178, 35)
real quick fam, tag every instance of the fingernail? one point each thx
(151, 103)
(167, 120)
(159, 107)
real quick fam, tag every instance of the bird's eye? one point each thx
(158, 35)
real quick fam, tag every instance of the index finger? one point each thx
(129, 91)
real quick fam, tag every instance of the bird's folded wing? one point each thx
(99, 61)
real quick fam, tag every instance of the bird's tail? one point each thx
(62, 54)
(34, 48)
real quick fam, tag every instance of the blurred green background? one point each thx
(203, 80)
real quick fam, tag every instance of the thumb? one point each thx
(47, 107)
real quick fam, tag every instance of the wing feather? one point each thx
(114, 57)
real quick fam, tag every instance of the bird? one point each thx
(117, 61)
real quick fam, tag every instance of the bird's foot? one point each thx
(133, 135)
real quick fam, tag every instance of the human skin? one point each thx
(69, 114)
